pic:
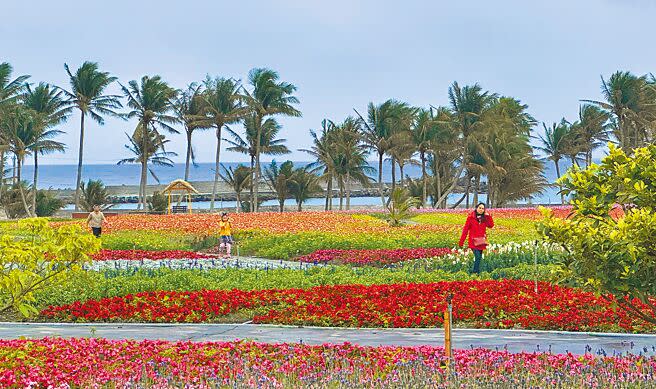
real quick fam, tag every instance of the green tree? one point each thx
(303, 185)
(188, 108)
(51, 110)
(350, 158)
(269, 97)
(87, 94)
(610, 251)
(151, 102)
(222, 105)
(400, 206)
(158, 202)
(591, 129)
(238, 179)
(40, 257)
(554, 145)
(270, 144)
(47, 204)
(151, 150)
(93, 193)
(279, 180)
(423, 132)
(325, 157)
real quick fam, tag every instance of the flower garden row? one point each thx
(122, 364)
(486, 304)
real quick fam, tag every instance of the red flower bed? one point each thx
(135, 255)
(372, 257)
(92, 363)
(487, 304)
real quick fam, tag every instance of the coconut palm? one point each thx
(188, 108)
(445, 146)
(269, 143)
(423, 131)
(400, 206)
(51, 110)
(325, 157)
(222, 105)
(269, 97)
(279, 180)
(19, 126)
(592, 130)
(148, 151)
(10, 89)
(88, 86)
(93, 193)
(238, 179)
(351, 162)
(381, 123)
(150, 102)
(303, 185)
(468, 106)
(554, 145)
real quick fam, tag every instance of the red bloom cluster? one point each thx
(64, 363)
(136, 255)
(487, 304)
(372, 257)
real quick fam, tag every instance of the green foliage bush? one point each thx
(47, 204)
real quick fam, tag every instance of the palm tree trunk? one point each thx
(2, 173)
(467, 191)
(477, 184)
(300, 205)
(19, 165)
(34, 180)
(380, 178)
(348, 191)
(562, 196)
(252, 196)
(393, 174)
(424, 185)
(78, 180)
(329, 188)
(341, 194)
(217, 165)
(401, 172)
(238, 207)
(257, 164)
(188, 158)
(144, 178)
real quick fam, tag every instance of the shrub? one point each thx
(47, 204)
(158, 202)
(93, 193)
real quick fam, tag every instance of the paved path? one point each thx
(514, 341)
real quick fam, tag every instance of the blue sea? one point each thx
(63, 177)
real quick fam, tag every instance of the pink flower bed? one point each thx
(62, 363)
(372, 257)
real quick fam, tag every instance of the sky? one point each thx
(341, 54)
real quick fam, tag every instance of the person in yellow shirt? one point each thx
(225, 231)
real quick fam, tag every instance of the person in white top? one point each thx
(95, 220)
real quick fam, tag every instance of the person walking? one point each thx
(225, 232)
(475, 226)
(95, 221)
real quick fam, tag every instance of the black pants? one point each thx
(96, 231)
(478, 255)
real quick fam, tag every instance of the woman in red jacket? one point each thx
(477, 222)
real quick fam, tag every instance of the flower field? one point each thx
(483, 304)
(92, 362)
(372, 257)
(137, 255)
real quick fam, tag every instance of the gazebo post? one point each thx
(189, 201)
(168, 211)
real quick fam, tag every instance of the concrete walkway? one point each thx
(512, 340)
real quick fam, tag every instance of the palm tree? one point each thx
(269, 143)
(325, 156)
(469, 105)
(554, 145)
(445, 151)
(188, 108)
(10, 90)
(222, 105)
(381, 123)
(239, 179)
(150, 102)
(93, 193)
(51, 110)
(423, 131)
(592, 130)
(399, 206)
(88, 85)
(149, 150)
(269, 97)
(19, 128)
(351, 157)
(279, 180)
(303, 185)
